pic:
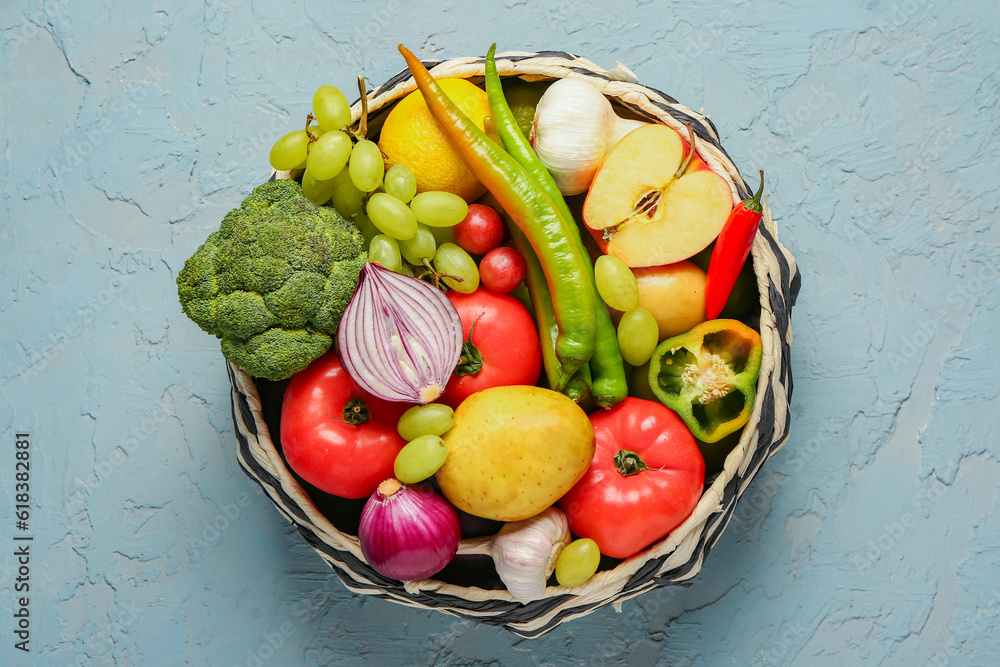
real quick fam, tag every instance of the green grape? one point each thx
(430, 419)
(316, 131)
(366, 166)
(328, 154)
(616, 283)
(289, 151)
(439, 209)
(367, 227)
(346, 198)
(577, 562)
(391, 216)
(637, 336)
(457, 263)
(316, 191)
(443, 234)
(419, 459)
(421, 246)
(384, 250)
(407, 270)
(331, 108)
(400, 183)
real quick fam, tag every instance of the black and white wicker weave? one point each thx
(680, 555)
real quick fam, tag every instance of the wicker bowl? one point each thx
(676, 558)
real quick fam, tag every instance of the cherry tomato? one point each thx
(645, 480)
(502, 269)
(504, 338)
(481, 231)
(335, 435)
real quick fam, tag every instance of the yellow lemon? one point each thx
(412, 137)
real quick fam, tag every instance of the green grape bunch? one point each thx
(344, 169)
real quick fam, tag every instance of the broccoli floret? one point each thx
(274, 281)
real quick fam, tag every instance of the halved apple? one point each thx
(642, 211)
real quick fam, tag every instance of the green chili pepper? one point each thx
(578, 387)
(541, 304)
(534, 213)
(609, 386)
(708, 376)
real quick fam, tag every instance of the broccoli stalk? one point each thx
(274, 281)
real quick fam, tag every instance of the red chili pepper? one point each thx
(731, 251)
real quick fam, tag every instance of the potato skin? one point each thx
(514, 451)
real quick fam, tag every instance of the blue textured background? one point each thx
(129, 129)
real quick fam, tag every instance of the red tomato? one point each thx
(505, 337)
(481, 231)
(625, 513)
(502, 269)
(335, 435)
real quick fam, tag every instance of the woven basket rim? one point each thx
(676, 549)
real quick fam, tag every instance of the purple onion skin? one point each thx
(410, 534)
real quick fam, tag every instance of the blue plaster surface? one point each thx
(130, 129)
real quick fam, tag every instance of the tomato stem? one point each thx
(628, 463)
(471, 361)
(355, 412)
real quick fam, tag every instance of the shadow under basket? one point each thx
(473, 591)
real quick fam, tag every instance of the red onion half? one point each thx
(400, 338)
(408, 532)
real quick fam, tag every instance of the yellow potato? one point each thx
(514, 451)
(674, 294)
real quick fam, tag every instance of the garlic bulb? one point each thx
(524, 552)
(573, 130)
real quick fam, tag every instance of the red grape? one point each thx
(502, 269)
(480, 231)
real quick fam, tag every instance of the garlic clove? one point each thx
(525, 552)
(573, 130)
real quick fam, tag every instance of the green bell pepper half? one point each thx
(708, 376)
